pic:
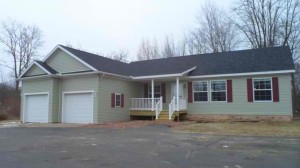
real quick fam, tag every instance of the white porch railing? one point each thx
(172, 107)
(158, 107)
(143, 103)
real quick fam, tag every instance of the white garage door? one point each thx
(36, 108)
(78, 108)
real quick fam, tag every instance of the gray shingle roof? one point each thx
(101, 63)
(243, 61)
(46, 66)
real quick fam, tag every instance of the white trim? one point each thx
(243, 74)
(207, 91)
(218, 91)
(69, 53)
(31, 94)
(119, 94)
(37, 64)
(262, 101)
(73, 74)
(164, 75)
(75, 92)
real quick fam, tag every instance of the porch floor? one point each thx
(149, 113)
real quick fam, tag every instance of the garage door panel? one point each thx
(78, 108)
(36, 108)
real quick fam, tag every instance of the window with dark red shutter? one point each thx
(275, 89)
(113, 100)
(122, 100)
(146, 90)
(163, 92)
(250, 90)
(229, 91)
(190, 92)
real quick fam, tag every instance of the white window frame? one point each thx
(254, 89)
(207, 91)
(118, 94)
(211, 91)
(149, 90)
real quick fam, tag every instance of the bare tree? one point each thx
(268, 23)
(148, 50)
(216, 32)
(120, 55)
(21, 43)
(168, 49)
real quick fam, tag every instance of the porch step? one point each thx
(164, 116)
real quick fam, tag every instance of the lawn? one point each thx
(291, 129)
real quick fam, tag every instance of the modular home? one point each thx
(74, 86)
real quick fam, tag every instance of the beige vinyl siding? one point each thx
(63, 62)
(35, 70)
(35, 86)
(240, 104)
(107, 86)
(81, 83)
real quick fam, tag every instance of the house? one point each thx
(73, 86)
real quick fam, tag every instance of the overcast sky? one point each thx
(104, 25)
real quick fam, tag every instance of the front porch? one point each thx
(163, 99)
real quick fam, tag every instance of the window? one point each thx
(200, 91)
(262, 89)
(157, 90)
(218, 91)
(118, 100)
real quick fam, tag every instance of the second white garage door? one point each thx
(78, 108)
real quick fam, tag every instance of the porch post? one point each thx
(152, 94)
(177, 93)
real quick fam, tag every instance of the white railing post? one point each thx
(152, 94)
(177, 93)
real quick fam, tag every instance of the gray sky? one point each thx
(104, 25)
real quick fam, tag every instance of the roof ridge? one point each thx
(92, 54)
(201, 54)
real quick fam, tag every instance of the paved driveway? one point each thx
(150, 146)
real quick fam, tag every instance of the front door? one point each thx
(173, 90)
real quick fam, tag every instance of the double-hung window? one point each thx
(157, 90)
(218, 91)
(200, 91)
(262, 89)
(118, 100)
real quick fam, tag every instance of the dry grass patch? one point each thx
(291, 129)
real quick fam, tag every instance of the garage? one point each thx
(78, 107)
(36, 108)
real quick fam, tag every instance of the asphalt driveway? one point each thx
(150, 146)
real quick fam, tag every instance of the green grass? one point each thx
(291, 129)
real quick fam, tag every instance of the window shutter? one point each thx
(229, 90)
(122, 100)
(275, 89)
(146, 90)
(250, 90)
(113, 100)
(163, 92)
(190, 92)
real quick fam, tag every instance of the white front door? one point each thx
(78, 108)
(174, 92)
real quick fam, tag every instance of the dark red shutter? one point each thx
(163, 92)
(275, 89)
(229, 90)
(113, 100)
(190, 92)
(122, 100)
(250, 90)
(145, 90)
